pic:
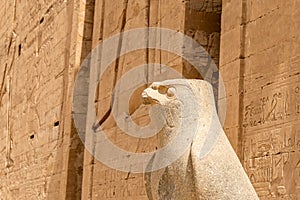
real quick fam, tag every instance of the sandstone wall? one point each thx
(41, 46)
(260, 64)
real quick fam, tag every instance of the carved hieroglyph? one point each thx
(209, 167)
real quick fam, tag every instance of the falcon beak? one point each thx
(147, 99)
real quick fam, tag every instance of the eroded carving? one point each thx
(272, 160)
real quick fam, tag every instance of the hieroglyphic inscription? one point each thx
(272, 161)
(282, 104)
(272, 141)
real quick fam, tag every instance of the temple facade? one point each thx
(255, 45)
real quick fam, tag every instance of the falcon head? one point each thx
(166, 97)
(159, 93)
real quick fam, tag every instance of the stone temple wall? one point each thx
(41, 47)
(260, 63)
(43, 42)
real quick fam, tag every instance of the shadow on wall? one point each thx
(68, 167)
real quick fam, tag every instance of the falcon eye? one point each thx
(162, 89)
(171, 92)
(154, 87)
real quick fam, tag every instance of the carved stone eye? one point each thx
(162, 89)
(171, 92)
(154, 87)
